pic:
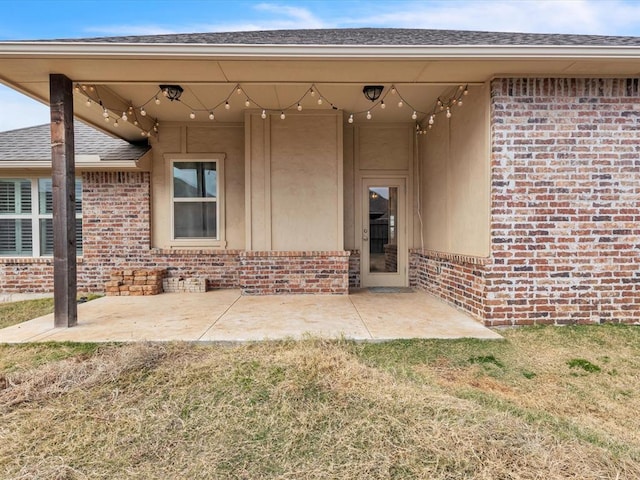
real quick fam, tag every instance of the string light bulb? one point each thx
(459, 103)
(227, 106)
(320, 101)
(211, 116)
(282, 116)
(88, 103)
(400, 104)
(383, 105)
(299, 107)
(105, 113)
(77, 88)
(466, 91)
(431, 120)
(84, 87)
(414, 115)
(124, 116)
(157, 100)
(192, 115)
(247, 103)
(238, 90)
(143, 112)
(312, 92)
(393, 90)
(369, 115)
(115, 124)
(448, 113)
(350, 118)
(107, 119)
(264, 114)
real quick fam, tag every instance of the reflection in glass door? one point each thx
(383, 217)
(384, 247)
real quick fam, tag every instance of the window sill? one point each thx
(198, 244)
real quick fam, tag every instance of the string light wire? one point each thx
(443, 105)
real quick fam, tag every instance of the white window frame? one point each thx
(35, 216)
(220, 241)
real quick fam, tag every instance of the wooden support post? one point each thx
(64, 200)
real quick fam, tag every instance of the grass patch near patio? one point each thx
(13, 313)
(437, 409)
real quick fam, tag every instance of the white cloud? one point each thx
(274, 16)
(20, 111)
(294, 16)
(613, 17)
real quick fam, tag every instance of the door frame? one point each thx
(383, 279)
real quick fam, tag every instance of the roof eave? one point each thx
(164, 50)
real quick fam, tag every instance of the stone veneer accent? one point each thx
(135, 282)
(456, 279)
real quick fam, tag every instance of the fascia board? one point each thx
(158, 50)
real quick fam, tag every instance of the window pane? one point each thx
(195, 180)
(195, 220)
(78, 236)
(78, 195)
(15, 237)
(15, 196)
(45, 195)
(46, 236)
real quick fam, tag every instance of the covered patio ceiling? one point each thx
(126, 75)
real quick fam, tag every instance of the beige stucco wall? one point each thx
(198, 139)
(455, 185)
(294, 182)
(374, 150)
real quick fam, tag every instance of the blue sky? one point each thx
(47, 19)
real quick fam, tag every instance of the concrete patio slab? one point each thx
(289, 316)
(414, 315)
(226, 316)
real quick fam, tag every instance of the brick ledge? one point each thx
(454, 257)
(295, 253)
(31, 260)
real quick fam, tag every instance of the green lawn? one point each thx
(18, 312)
(545, 403)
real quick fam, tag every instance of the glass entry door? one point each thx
(384, 252)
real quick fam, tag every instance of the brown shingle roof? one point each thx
(34, 144)
(372, 36)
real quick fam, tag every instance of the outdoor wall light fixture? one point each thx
(372, 92)
(172, 92)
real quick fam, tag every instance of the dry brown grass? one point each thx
(313, 409)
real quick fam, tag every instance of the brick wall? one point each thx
(565, 201)
(220, 268)
(456, 279)
(116, 229)
(263, 273)
(26, 275)
(354, 269)
(117, 236)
